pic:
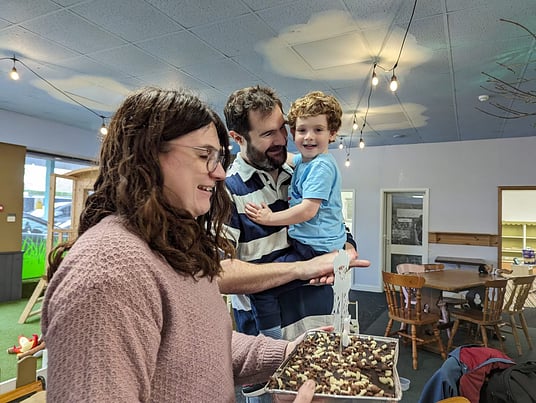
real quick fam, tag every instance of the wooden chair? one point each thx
(490, 315)
(411, 315)
(514, 305)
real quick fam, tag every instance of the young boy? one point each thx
(315, 220)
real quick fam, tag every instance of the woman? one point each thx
(133, 312)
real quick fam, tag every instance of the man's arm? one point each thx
(240, 277)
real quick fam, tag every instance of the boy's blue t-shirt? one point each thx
(319, 178)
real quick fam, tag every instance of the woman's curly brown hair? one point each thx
(130, 183)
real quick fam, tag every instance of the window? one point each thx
(37, 171)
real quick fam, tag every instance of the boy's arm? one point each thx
(262, 214)
(290, 159)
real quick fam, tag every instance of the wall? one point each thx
(462, 178)
(46, 136)
(11, 189)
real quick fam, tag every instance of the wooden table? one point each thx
(454, 280)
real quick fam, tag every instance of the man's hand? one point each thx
(319, 270)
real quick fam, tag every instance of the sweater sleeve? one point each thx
(255, 358)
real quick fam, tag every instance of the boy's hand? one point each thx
(259, 214)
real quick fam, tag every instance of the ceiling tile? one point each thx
(73, 32)
(223, 74)
(17, 11)
(31, 47)
(142, 21)
(180, 49)
(195, 13)
(235, 36)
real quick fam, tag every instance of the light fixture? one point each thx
(14, 74)
(103, 129)
(341, 145)
(230, 147)
(361, 143)
(347, 162)
(354, 125)
(375, 80)
(393, 86)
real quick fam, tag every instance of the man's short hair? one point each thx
(313, 104)
(241, 102)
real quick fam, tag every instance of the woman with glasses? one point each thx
(133, 311)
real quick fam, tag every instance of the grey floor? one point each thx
(429, 362)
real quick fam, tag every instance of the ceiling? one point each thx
(96, 51)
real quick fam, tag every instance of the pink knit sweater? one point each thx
(122, 326)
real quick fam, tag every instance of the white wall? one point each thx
(46, 136)
(462, 177)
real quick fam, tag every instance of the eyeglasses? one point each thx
(213, 156)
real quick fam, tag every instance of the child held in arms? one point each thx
(315, 220)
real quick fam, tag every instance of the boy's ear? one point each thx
(236, 137)
(332, 136)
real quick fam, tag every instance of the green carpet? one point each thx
(10, 331)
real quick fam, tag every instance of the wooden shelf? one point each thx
(462, 238)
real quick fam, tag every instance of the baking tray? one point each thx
(345, 398)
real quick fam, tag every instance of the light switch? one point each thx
(11, 218)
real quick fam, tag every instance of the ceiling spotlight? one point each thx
(394, 83)
(361, 143)
(347, 162)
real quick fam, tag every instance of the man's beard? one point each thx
(264, 161)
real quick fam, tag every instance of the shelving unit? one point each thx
(516, 236)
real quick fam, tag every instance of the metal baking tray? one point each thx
(340, 398)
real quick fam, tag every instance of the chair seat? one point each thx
(472, 315)
(410, 317)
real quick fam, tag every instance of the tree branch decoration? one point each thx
(510, 90)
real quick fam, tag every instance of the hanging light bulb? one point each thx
(354, 125)
(361, 143)
(375, 80)
(341, 145)
(394, 83)
(347, 162)
(103, 129)
(14, 75)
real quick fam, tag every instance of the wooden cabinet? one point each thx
(517, 236)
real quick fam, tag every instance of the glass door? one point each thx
(405, 232)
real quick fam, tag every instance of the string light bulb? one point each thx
(361, 143)
(103, 129)
(341, 145)
(375, 79)
(354, 125)
(347, 162)
(393, 86)
(14, 74)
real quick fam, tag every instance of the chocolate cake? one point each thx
(365, 368)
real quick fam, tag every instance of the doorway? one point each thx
(405, 227)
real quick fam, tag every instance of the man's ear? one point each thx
(236, 137)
